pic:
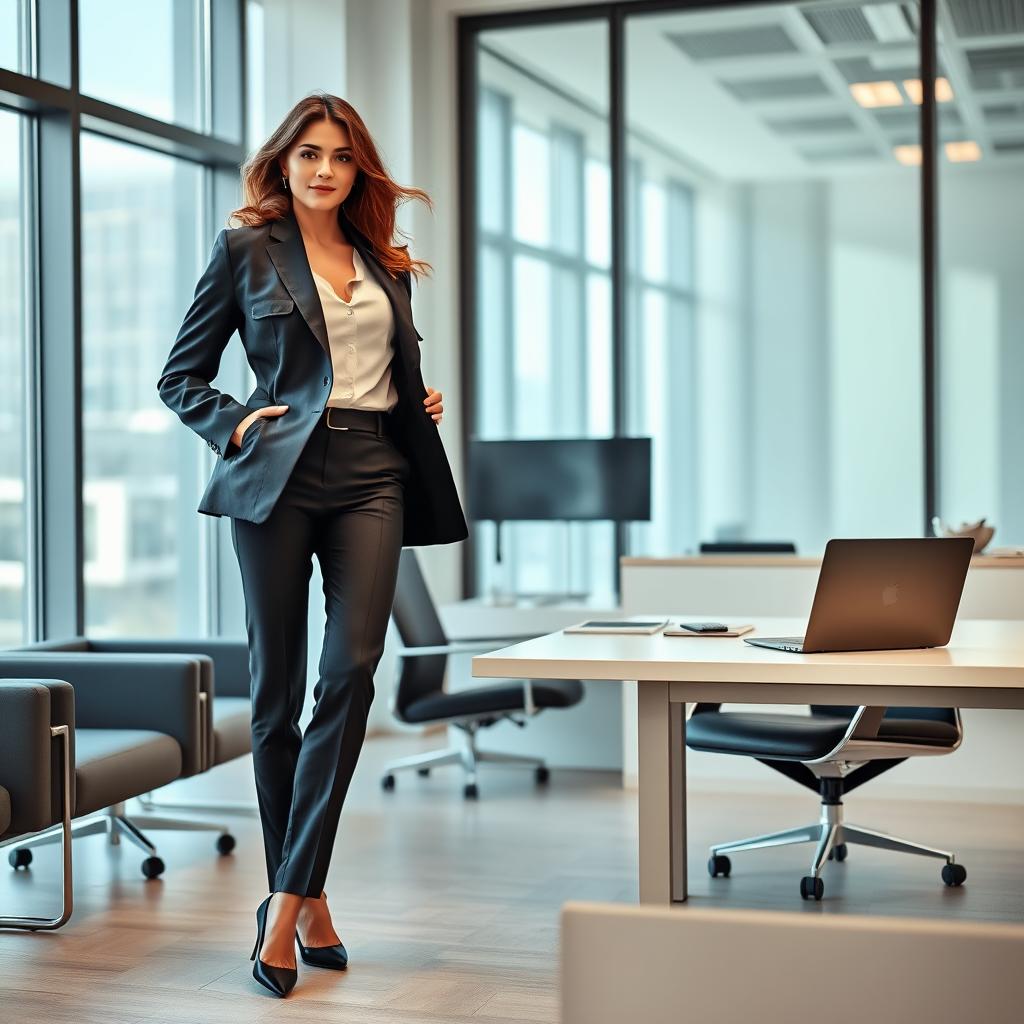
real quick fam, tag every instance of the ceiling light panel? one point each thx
(757, 41)
(797, 87)
(986, 17)
(813, 125)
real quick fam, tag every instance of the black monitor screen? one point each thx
(587, 478)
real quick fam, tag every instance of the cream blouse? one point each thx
(361, 335)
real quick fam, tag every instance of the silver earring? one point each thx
(284, 181)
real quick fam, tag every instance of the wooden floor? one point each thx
(449, 909)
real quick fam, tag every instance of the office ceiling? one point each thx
(764, 92)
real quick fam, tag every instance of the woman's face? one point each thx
(320, 167)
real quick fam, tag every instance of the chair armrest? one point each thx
(865, 723)
(230, 658)
(459, 647)
(514, 639)
(158, 692)
(28, 755)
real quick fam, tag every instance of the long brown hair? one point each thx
(371, 204)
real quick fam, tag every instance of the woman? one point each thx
(335, 454)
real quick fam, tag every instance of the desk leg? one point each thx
(662, 776)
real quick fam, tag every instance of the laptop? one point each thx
(883, 595)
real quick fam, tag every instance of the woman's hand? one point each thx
(433, 404)
(270, 410)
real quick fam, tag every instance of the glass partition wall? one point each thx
(543, 368)
(763, 188)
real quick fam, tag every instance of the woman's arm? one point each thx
(194, 359)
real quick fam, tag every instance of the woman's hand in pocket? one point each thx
(270, 410)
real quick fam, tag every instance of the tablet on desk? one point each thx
(641, 626)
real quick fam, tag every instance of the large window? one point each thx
(145, 56)
(770, 335)
(543, 365)
(13, 329)
(14, 34)
(981, 247)
(774, 329)
(142, 251)
(106, 221)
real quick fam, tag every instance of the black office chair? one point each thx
(419, 697)
(832, 751)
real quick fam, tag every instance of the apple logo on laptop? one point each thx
(891, 594)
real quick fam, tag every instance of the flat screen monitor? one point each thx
(585, 478)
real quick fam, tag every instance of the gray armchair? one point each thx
(224, 700)
(134, 726)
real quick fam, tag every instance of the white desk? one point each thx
(983, 667)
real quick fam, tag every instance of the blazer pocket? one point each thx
(271, 307)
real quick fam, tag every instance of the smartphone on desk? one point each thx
(706, 629)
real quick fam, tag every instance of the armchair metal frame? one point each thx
(64, 834)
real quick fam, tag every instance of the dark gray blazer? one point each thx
(259, 283)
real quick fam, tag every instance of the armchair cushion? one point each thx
(232, 728)
(117, 764)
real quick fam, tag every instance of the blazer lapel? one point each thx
(285, 248)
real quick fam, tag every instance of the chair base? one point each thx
(827, 834)
(248, 808)
(466, 754)
(114, 823)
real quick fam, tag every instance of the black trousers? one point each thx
(343, 503)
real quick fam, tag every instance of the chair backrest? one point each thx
(419, 626)
(77, 644)
(414, 611)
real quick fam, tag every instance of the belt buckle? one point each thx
(329, 427)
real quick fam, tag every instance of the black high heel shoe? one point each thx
(280, 980)
(334, 958)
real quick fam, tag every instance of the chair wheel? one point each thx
(423, 772)
(388, 782)
(20, 858)
(811, 888)
(542, 775)
(954, 874)
(719, 865)
(838, 853)
(152, 867)
(470, 792)
(225, 844)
